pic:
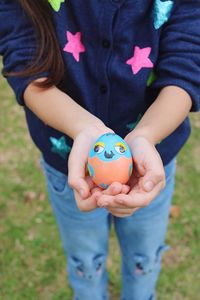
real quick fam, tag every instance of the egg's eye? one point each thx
(99, 147)
(120, 148)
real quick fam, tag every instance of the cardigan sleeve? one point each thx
(179, 53)
(17, 45)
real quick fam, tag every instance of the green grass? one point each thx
(32, 263)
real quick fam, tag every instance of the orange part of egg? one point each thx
(106, 172)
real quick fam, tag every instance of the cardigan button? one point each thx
(106, 43)
(103, 88)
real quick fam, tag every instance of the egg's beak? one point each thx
(109, 155)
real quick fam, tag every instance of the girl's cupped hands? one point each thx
(85, 191)
(145, 183)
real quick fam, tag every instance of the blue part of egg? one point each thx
(91, 170)
(109, 147)
(104, 186)
(130, 169)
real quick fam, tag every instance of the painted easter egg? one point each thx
(110, 160)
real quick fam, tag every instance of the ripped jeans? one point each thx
(85, 237)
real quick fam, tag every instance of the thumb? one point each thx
(79, 185)
(76, 174)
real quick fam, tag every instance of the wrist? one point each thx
(143, 132)
(93, 128)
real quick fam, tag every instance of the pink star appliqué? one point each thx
(74, 45)
(140, 59)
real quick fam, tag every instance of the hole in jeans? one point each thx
(99, 266)
(89, 268)
(99, 262)
(79, 271)
(138, 268)
(145, 264)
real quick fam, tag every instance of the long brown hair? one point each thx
(40, 15)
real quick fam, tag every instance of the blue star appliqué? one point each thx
(162, 10)
(131, 126)
(60, 147)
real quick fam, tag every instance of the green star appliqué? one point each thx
(60, 147)
(162, 10)
(131, 126)
(152, 77)
(56, 4)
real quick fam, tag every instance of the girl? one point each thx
(84, 68)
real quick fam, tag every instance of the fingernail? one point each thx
(148, 186)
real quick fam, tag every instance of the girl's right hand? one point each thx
(85, 191)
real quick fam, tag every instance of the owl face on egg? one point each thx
(110, 147)
(110, 160)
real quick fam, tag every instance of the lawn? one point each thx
(32, 263)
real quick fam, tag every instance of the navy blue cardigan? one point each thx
(118, 54)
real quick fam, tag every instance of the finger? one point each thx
(121, 215)
(87, 204)
(116, 188)
(138, 199)
(96, 189)
(125, 189)
(151, 179)
(113, 189)
(103, 200)
(90, 182)
(108, 201)
(123, 211)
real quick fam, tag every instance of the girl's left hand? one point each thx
(146, 182)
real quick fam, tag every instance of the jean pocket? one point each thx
(56, 180)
